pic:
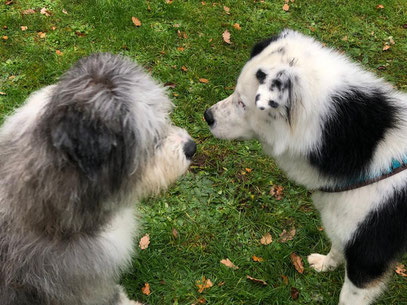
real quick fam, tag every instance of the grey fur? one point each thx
(66, 170)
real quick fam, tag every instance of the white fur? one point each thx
(321, 72)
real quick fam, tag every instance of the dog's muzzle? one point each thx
(208, 115)
(189, 149)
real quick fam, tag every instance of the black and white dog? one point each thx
(341, 132)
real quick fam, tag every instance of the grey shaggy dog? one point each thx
(73, 160)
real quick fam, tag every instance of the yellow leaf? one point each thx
(229, 264)
(257, 259)
(237, 26)
(144, 242)
(136, 21)
(203, 80)
(266, 239)
(5, 37)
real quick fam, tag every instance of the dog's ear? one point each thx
(86, 142)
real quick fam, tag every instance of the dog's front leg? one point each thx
(322, 263)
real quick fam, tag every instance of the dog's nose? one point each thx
(189, 149)
(208, 115)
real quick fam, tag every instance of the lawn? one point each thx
(222, 207)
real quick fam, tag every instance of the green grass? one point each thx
(218, 211)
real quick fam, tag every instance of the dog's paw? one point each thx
(319, 262)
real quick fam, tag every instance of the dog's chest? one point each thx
(117, 239)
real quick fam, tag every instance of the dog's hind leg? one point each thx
(322, 263)
(353, 295)
(124, 299)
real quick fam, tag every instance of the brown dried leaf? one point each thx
(286, 236)
(229, 264)
(227, 10)
(169, 84)
(45, 12)
(183, 68)
(294, 293)
(237, 26)
(136, 21)
(28, 12)
(203, 80)
(144, 242)
(175, 233)
(386, 47)
(201, 300)
(226, 36)
(297, 262)
(266, 239)
(59, 52)
(203, 3)
(401, 270)
(286, 7)
(380, 6)
(391, 40)
(64, 11)
(5, 27)
(146, 289)
(24, 28)
(256, 280)
(204, 284)
(168, 1)
(181, 49)
(221, 284)
(3, 93)
(257, 259)
(41, 34)
(285, 279)
(276, 191)
(9, 2)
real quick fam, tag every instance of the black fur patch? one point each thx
(379, 240)
(273, 104)
(257, 97)
(350, 135)
(261, 76)
(276, 83)
(260, 46)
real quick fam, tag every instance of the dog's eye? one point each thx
(241, 104)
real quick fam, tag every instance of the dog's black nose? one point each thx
(189, 149)
(208, 115)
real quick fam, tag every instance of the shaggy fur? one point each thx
(327, 122)
(73, 159)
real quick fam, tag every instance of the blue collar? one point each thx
(395, 168)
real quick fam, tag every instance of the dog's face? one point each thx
(265, 97)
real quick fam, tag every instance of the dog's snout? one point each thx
(208, 115)
(189, 149)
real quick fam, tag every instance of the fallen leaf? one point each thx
(184, 35)
(345, 38)
(405, 26)
(146, 289)
(5, 27)
(230, 88)
(229, 264)
(266, 239)
(320, 229)
(401, 270)
(256, 280)
(168, 1)
(5, 37)
(176, 25)
(226, 36)
(181, 49)
(381, 68)
(45, 12)
(386, 47)
(179, 34)
(54, 28)
(391, 40)
(65, 12)
(144, 242)
(294, 293)
(3, 93)
(28, 12)
(297, 262)
(203, 80)
(24, 28)
(9, 2)
(11, 77)
(169, 84)
(175, 233)
(227, 10)
(237, 26)
(203, 3)
(285, 279)
(249, 170)
(286, 236)
(201, 300)
(286, 7)
(136, 21)
(276, 191)
(221, 284)
(380, 6)
(183, 68)
(204, 284)
(257, 259)
(59, 52)
(41, 34)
